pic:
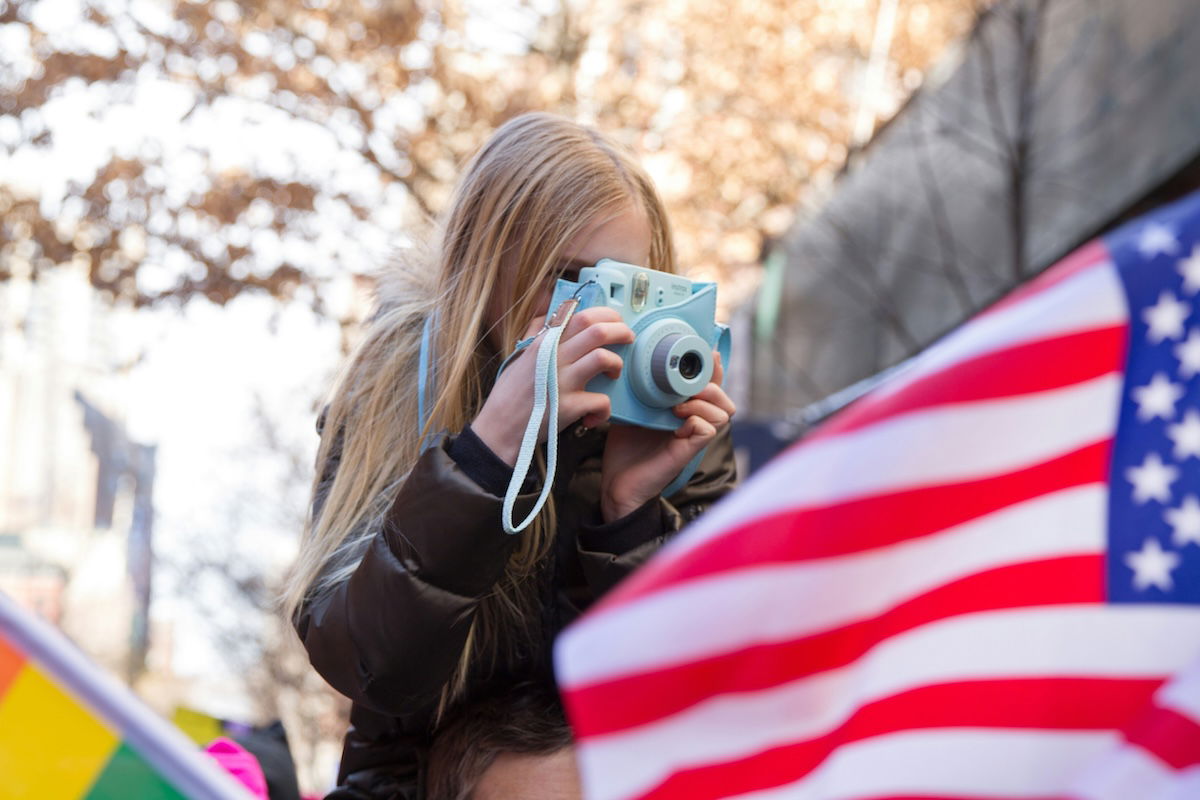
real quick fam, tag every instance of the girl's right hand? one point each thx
(581, 356)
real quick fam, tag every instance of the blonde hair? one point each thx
(537, 184)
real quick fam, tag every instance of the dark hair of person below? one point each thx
(526, 719)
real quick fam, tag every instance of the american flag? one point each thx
(979, 581)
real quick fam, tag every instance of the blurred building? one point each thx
(76, 512)
(1054, 121)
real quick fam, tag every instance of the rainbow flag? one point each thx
(68, 730)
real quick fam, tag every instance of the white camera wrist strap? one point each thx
(545, 397)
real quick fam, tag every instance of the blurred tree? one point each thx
(205, 148)
(234, 587)
(740, 108)
(165, 213)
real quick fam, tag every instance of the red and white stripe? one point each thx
(907, 604)
(1158, 757)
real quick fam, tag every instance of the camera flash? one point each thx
(639, 291)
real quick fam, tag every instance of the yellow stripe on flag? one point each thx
(51, 748)
(199, 727)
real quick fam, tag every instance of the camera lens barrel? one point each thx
(667, 363)
(681, 364)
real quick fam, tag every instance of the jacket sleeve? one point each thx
(390, 636)
(610, 552)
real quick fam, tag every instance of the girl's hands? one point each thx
(581, 357)
(639, 463)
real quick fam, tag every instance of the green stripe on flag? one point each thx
(127, 775)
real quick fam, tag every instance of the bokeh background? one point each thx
(195, 198)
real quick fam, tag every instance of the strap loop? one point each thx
(545, 393)
(545, 398)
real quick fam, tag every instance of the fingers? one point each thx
(588, 317)
(696, 428)
(711, 403)
(591, 407)
(592, 328)
(582, 354)
(597, 362)
(712, 393)
(596, 335)
(709, 412)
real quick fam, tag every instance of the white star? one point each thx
(1186, 435)
(1152, 566)
(1188, 353)
(1157, 238)
(1152, 480)
(1166, 317)
(1185, 520)
(1157, 398)
(1189, 268)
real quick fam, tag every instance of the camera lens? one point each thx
(690, 365)
(670, 364)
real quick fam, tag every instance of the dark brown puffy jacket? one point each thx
(390, 636)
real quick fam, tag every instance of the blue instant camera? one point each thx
(673, 320)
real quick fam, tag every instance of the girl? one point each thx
(407, 593)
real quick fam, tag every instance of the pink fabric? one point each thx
(239, 763)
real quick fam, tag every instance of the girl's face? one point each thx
(625, 236)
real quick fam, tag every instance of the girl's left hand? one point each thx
(639, 463)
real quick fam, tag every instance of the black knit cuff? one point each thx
(483, 466)
(639, 526)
